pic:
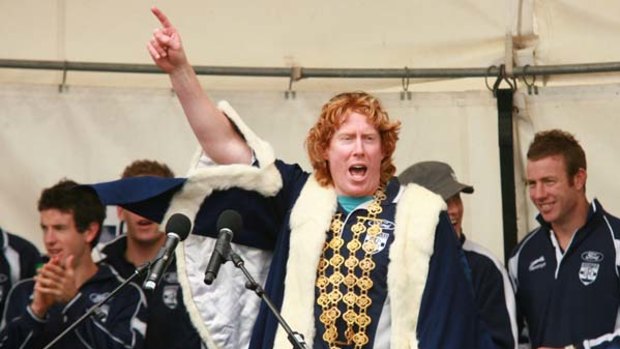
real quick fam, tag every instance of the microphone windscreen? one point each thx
(179, 224)
(230, 219)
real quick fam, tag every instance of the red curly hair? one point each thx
(332, 117)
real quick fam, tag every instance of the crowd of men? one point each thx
(354, 257)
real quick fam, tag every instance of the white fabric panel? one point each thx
(573, 31)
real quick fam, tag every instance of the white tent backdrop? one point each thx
(90, 134)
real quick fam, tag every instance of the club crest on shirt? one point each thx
(588, 273)
(381, 239)
(590, 266)
(169, 296)
(103, 312)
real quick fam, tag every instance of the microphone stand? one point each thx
(96, 307)
(296, 338)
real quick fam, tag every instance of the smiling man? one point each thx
(39, 309)
(565, 272)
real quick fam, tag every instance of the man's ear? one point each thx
(580, 178)
(91, 232)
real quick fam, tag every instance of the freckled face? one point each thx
(354, 156)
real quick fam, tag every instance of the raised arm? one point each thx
(214, 132)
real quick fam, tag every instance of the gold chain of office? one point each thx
(329, 287)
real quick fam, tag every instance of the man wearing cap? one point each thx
(491, 285)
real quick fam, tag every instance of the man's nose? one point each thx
(359, 146)
(537, 191)
(49, 236)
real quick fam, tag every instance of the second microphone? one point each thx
(228, 223)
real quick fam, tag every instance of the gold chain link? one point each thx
(329, 287)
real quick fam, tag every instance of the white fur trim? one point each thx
(310, 220)
(417, 215)
(201, 182)
(416, 220)
(266, 181)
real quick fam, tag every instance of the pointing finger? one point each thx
(163, 19)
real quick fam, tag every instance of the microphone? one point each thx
(177, 229)
(228, 223)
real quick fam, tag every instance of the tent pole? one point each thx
(319, 72)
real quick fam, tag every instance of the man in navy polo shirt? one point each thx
(565, 272)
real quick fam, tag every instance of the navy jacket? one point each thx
(567, 297)
(118, 324)
(168, 323)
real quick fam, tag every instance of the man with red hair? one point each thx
(350, 257)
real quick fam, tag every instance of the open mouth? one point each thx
(144, 222)
(358, 170)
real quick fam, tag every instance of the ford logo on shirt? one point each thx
(592, 257)
(387, 225)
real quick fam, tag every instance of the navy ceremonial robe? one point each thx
(286, 216)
